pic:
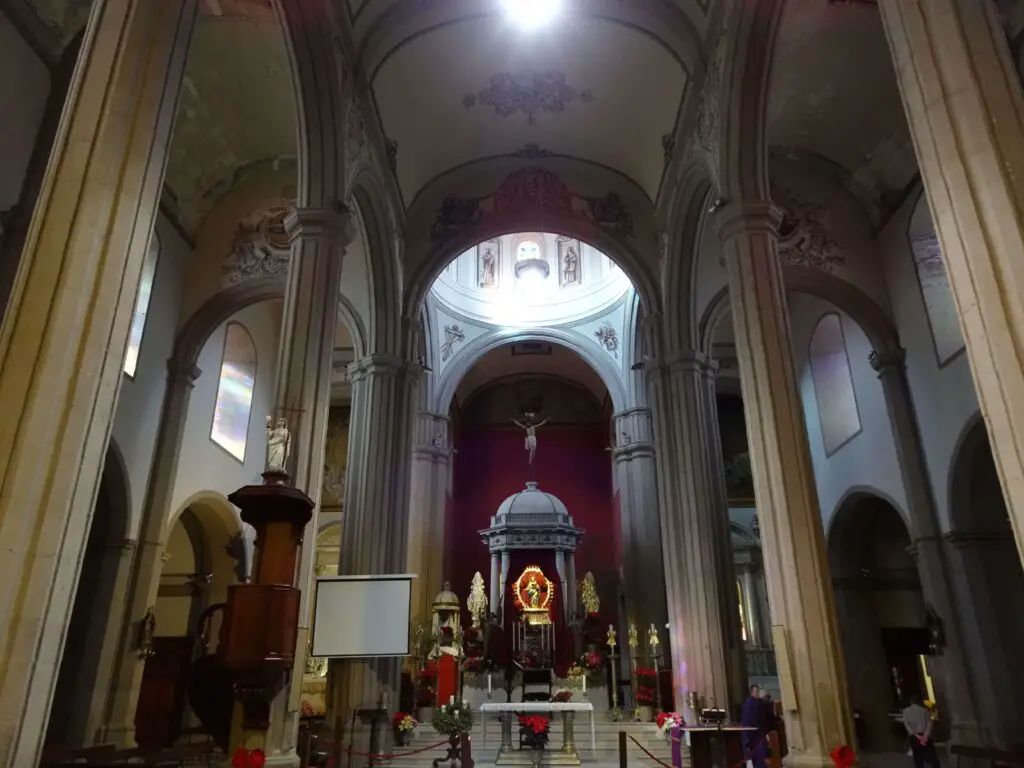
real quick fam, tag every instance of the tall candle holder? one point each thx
(613, 661)
(652, 646)
(634, 652)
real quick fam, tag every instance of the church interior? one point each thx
(664, 350)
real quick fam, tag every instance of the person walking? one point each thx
(754, 715)
(918, 722)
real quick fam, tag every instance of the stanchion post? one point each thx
(623, 762)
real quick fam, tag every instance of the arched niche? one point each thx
(988, 582)
(881, 614)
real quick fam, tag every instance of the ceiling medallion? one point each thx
(529, 92)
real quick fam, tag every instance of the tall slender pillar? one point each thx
(493, 585)
(431, 481)
(695, 558)
(963, 100)
(63, 339)
(303, 396)
(637, 482)
(376, 531)
(961, 699)
(799, 586)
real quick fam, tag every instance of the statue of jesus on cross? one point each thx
(531, 434)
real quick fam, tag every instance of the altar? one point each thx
(567, 754)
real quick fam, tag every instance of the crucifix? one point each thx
(531, 427)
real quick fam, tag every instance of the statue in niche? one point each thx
(488, 268)
(570, 267)
(533, 592)
(531, 434)
(279, 444)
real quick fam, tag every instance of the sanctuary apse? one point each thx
(751, 293)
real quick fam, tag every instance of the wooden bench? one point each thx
(994, 756)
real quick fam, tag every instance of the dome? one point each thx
(533, 501)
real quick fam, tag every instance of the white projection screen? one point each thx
(362, 616)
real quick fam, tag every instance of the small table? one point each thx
(567, 755)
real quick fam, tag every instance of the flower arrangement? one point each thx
(646, 679)
(533, 730)
(592, 661)
(453, 718)
(666, 721)
(403, 722)
(473, 665)
(562, 695)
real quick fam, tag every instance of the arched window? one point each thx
(234, 391)
(833, 384)
(528, 249)
(131, 355)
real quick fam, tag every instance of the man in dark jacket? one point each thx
(754, 715)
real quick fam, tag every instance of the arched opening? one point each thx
(881, 615)
(205, 553)
(988, 582)
(90, 644)
(530, 425)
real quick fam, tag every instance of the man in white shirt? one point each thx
(918, 722)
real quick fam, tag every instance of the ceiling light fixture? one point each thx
(531, 14)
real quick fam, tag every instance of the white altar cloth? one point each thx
(554, 707)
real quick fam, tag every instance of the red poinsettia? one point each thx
(645, 695)
(534, 730)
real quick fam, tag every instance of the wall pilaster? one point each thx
(799, 586)
(636, 479)
(933, 565)
(431, 481)
(375, 533)
(693, 512)
(964, 106)
(63, 339)
(303, 396)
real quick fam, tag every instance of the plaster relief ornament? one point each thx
(609, 339)
(477, 600)
(805, 237)
(706, 132)
(528, 91)
(452, 336)
(260, 248)
(279, 444)
(529, 193)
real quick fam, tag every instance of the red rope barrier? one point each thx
(380, 755)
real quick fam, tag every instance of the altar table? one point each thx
(506, 712)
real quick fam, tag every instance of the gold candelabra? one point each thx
(613, 659)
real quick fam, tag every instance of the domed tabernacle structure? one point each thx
(532, 520)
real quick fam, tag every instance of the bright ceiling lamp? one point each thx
(531, 14)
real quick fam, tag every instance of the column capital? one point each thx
(181, 372)
(755, 217)
(333, 223)
(693, 362)
(376, 365)
(887, 360)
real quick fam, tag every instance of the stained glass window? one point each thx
(833, 384)
(131, 355)
(234, 391)
(528, 249)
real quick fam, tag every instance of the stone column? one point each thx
(804, 631)
(961, 700)
(572, 586)
(962, 96)
(318, 238)
(506, 564)
(692, 513)
(494, 586)
(563, 594)
(376, 530)
(65, 331)
(751, 608)
(431, 475)
(640, 529)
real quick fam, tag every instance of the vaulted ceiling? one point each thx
(454, 82)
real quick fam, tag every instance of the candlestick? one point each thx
(451, 701)
(488, 683)
(584, 683)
